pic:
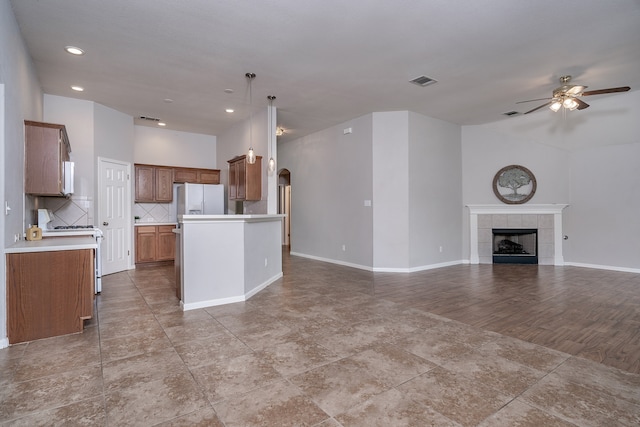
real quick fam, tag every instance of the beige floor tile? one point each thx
(338, 386)
(519, 414)
(133, 345)
(391, 408)
(580, 404)
(226, 378)
(24, 398)
(296, 356)
(142, 368)
(278, 405)
(205, 417)
(457, 397)
(88, 413)
(149, 403)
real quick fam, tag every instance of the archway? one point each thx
(284, 205)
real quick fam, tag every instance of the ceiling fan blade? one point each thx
(603, 91)
(537, 108)
(574, 90)
(531, 100)
(581, 104)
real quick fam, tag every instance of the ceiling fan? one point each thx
(568, 96)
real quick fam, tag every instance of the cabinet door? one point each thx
(233, 181)
(43, 160)
(183, 175)
(166, 243)
(145, 177)
(146, 239)
(48, 293)
(253, 180)
(241, 179)
(209, 176)
(164, 184)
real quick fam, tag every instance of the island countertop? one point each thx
(48, 244)
(229, 218)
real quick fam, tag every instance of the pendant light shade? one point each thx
(271, 165)
(251, 155)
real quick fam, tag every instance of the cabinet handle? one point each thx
(105, 223)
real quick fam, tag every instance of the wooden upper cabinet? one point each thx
(196, 176)
(153, 183)
(245, 179)
(46, 149)
(164, 184)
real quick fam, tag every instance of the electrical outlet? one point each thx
(265, 262)
(344, 248)
(16, 237)
(441, 249)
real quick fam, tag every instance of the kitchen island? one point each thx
(221, 259)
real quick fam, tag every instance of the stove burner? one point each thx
(73, 227)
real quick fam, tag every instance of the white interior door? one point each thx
(114, 216)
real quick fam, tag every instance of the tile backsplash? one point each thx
(76, 210)
(155, 212)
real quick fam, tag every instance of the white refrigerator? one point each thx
(200, 199)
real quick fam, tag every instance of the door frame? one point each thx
(127, 207)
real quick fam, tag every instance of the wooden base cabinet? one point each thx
(48, 293)
(155, 243)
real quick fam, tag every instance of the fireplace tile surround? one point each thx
(547, 219)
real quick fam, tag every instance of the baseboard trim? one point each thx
(4, 342)
(332, 261)
(229, 300)
(603, 267)
(380, 269)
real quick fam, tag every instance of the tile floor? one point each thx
(316, 348)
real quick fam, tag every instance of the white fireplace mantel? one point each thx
(526, 209)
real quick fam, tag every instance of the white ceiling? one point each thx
(328, 61)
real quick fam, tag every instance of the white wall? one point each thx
(22, 100)
(331, 177)
(435, 192)
(78, 118)
(580, 158)
(113, 134)
(391, 189)
(157, 146)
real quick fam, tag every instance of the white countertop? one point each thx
(154, 223)
(53, 244)
(186, 219)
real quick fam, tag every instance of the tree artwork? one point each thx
(512, 178)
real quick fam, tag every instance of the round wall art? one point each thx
(514, 184)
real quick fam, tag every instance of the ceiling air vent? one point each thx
(511, 113)
(423, 81)
(150, 119)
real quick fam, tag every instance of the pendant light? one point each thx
(271, 165)
(251, 155)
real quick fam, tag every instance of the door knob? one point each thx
(105, 223)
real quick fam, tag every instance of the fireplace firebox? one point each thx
(515, 246)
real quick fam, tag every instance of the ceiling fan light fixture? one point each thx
(555, 105)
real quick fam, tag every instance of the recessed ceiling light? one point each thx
(77, 88)
(162, 124)
(74, 50)
(168, 100)
(228, 91)
(229, 110)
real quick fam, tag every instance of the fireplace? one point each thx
(515, 245)
(546, 219)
